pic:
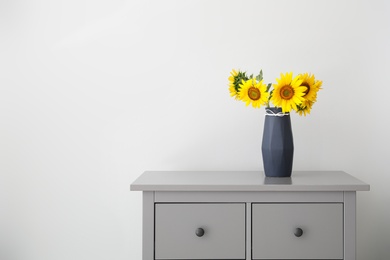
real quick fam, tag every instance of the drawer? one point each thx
(223, 225)
(274, 225)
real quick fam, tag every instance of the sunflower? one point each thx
(235, 80)
(232, 89)
(253, 92)
(288, 92)
(305, 107)
(312, 86)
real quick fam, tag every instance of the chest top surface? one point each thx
(246, 181)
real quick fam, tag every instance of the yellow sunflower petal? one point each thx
(253, 92)
(288, 92)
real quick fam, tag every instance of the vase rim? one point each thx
(275, 111)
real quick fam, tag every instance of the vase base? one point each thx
(278, 176)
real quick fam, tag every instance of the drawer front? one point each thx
(223, 226)
(274, 227)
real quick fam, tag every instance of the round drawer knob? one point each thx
(298, 232)
(199, 232)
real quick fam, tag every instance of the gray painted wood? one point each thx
(249, 196)
(273, 228)
(247, 189)
(248, 231)
(224, 226)
(246, 181)
(148, 225)
(349, 225)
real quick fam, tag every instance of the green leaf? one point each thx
(270, 94)
(260, 76)
(269, 86)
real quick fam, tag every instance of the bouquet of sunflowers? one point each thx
(297, 93)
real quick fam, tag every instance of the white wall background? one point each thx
(94, 92)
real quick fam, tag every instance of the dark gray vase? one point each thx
(278, 146)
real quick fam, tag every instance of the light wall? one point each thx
(93, 93)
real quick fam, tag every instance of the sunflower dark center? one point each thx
(307, 88)
(254, 93)
(286, 92)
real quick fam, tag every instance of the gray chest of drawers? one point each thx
(244, 215)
